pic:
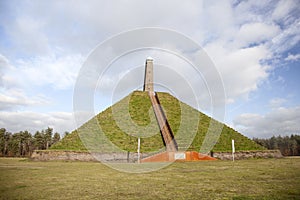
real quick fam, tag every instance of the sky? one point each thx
(254, 46)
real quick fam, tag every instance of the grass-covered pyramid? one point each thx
(140, 112)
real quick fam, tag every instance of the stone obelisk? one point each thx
(148, 81)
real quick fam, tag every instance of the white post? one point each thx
(233, 150)
(138, 150)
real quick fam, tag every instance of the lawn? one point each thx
(244, 179)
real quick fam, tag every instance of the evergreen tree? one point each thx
(39, 140)
(48, 137)
(23, 143)
(27, 143)
(288, 145)
(56, 138)
(2, 141)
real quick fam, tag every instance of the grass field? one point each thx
(244, 179)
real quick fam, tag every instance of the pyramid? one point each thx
(157, 124)
(112, 131)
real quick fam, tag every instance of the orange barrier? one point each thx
(177, 156)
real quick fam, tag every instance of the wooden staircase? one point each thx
(165, 129)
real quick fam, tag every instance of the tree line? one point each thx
(23, 143)
(288, 145)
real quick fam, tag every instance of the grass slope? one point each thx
(180, 117)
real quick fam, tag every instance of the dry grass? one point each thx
(246, 179)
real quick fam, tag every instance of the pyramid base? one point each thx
(177, 156)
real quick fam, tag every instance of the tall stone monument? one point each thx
(148, 81)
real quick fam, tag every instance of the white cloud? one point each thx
(277, 102)
(283, 8)
(280, 121)
(25, 84)
(28, 35)
(3, 62)
(58, 72)
(215, 25)
(37, 27)
(255, 33)
(292, 57)
(287, 38)
(13, 99)
(45, 41)
(33, 121)
(4, 67)
(241, 69)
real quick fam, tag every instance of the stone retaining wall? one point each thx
(47, 155)
(248, 154)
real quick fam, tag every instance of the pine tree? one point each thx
(48, 137)
(56, 138)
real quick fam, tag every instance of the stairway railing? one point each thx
(163, 123)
